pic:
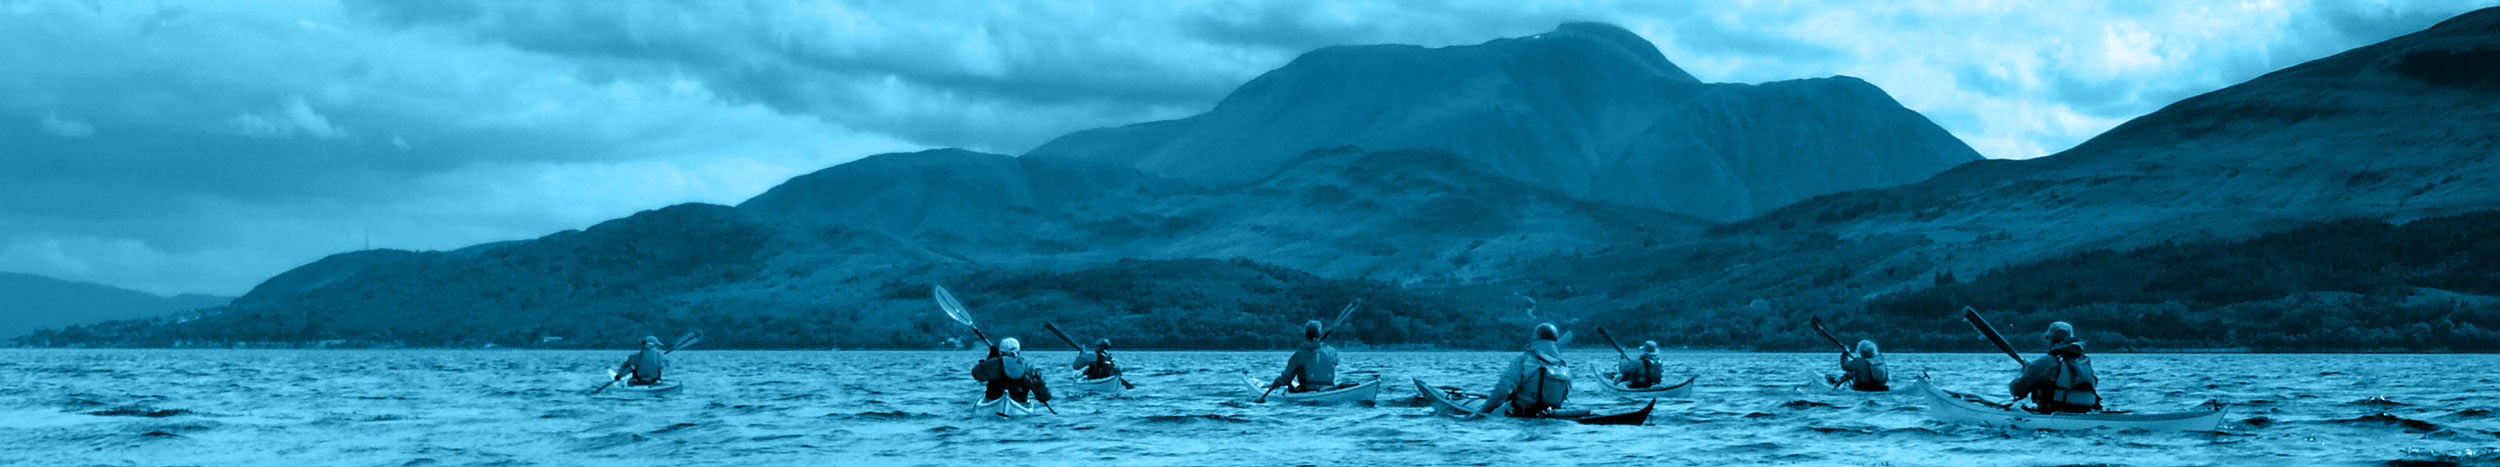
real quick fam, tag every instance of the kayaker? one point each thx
(1864, 369)
(1007, 374)
(1097, 364)
(1643, 371)
(2061, 381)
(1313, 367)
(643, 368)
(1535, 382)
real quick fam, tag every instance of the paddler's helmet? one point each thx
(1009, 346)
(650, 341)
(2059, 333)
(1649, 346)
(1310, 329)
(1866, 349)
(1547, 332)
(1102, 344)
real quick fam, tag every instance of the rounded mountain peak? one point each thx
(1622, 41)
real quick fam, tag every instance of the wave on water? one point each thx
(2417, 457)
(2377, 401)
(1189, 419)
(877, 416)
(2386, 420)
(140, 412)
(1802, 405)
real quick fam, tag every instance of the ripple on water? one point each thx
(1192, 419)
(2390, 421)
(140, 412)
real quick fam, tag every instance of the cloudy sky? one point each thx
(204, 146)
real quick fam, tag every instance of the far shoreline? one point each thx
(1349, 349)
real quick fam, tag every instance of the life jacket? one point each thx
(1101, 366)
(1318, 369)
(1651, 371)
(2074, 384)
(1873, 376)
(648, 365)
(1547, 386)
(2071, 385)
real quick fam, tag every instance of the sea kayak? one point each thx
(1365, 392)
(1445, 402)
(1108, 386)
(663, 387)
(1001, 407)
(1683, 390)
(1967, 409)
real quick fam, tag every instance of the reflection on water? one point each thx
(491, 407)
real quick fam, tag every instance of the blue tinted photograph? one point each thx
(390, 233)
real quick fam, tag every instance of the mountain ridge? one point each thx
(1588, 109)
(29, 302)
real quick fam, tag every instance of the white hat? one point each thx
(1009, 345)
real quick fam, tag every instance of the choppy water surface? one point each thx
(399, 408)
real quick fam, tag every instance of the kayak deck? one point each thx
(1959, 408)
(1363, 392)
(1109, 386)
(662, 387)
(1444, 404)
(1682, 390)
(1001, 407)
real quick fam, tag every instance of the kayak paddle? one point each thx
(1323, 336)
(1063, 336)
(682, 341)
(1981, 324)
(1610, 342)
(1817, 322)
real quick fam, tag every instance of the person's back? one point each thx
(1537, 381)
(1643, 371)
(644, 368)
(1865, 370)
(2063, 380)
(1007, 374)
(1098, 363)
(1313, 367)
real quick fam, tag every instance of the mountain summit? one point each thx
(1590, 110)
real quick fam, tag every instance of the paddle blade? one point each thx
(687, 340)
(946, 302)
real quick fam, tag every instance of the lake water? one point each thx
(503, 407)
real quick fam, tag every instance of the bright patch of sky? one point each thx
(175, 146)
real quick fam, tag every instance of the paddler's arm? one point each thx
(1293, 367)
(1508, 384)
(2033, 375)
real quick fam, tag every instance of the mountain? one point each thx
(1589, 110)
(2167, 217)
(29, 302)
(857, 245)
(1400, 215)
(2335, 205)
(2398, 130)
